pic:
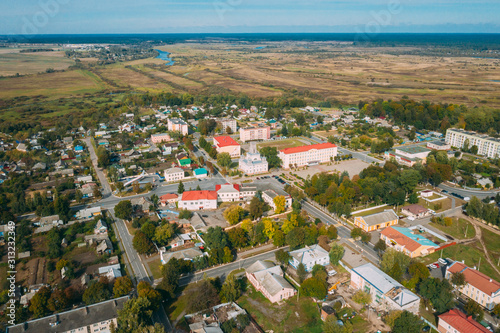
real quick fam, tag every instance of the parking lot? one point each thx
(438, 268)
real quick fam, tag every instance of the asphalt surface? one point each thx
(100, 174)
(468, 193)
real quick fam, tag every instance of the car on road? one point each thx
(466, 198)
(444, 191)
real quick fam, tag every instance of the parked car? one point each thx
(442, 261)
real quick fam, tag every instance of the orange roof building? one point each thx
(226, 144)
(308, 155)
(404, 240)
(197, 200)
(479, 287)
(455, 321)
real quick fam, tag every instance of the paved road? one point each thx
(363, 156)
(469, 193)
(100, 174)
(223, 271)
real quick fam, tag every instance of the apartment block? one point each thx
(255, 133)
(486, 145)
(307, 155)
(178, 125)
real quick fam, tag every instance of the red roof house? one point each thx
(457, 321)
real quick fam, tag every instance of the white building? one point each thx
(228, 192)
(309, 256)
(258, 132)
(253, 163)
(438, 145)
(226, 144)
(231, 123)
(196, 200)
(307, 155)
(173, 174)
(269, 195)
(486, 145)
(178, 125)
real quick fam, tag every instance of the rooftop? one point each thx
(73, 319)
(414, 149)
(405, 237)
(460, 322)
(301, 149)
(309, 253)
(177, 121)
(199, 195)
(415, 209)
(382, 217)
(225, 140)
(475, 278)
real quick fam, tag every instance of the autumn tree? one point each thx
(280, 204)
(96, 292)
(39, 302)
(234, 214)
(142, 243)
(473, 309)
(458, 279)
(122, 286)
(145, 290)
(164, 233)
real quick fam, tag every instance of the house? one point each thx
(479, 287)
(178, 125)
(88, 213)
(228, 192)
(309, 256)
(268, 279)
(111, 272)
(160, 137)
(269, 195)
(101, 227)
(307, 155)
(105, 247)
(99, 317)
(173, 174)
(50, 220)
(376, 221)
(408, 156)
(426, 193)
(211, 320)
(226, 144)
(196, 200)
(455, 321)
(327, 311)
(83, 179)
(40, 166)
(141, 204)
(22, 147)
(385, 291)
(404, 240)
(168, 198)
(200, 173)
(485, 183)
(179, 240)
(185, 254)
(169, 148)
(78, 149)
(253, 163)
(60, 165)
(184, 163)
(416, 211)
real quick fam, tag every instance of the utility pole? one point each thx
(465, 235)
(479, 265)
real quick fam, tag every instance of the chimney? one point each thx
(491, 280)
(86, 310)
(25, 326)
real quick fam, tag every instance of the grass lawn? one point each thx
(492, 242)
(470, 253)
(155, 267)
(457, 230)
(281, 144)
(427, 314)
(291, 316)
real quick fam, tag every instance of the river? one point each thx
(164, 55)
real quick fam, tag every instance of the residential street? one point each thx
(100, 174)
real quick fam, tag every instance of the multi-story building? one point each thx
(173, 174)
(229, 123)
(307, 155)
(309, 256)
(253, 163)
(259, 132)
(226, 144)
(376, 221)
(178, 125)
(404, 240)
(438, 145)
(160, 137)
(386, 292)
(228, 192)
(486, 145)
(455, 321)
(479, 287)
(100, 317)
(196, 200)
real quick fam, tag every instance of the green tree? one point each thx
(473, 309)
(438, 292)
(280, 204)
(390, 257)
(413, 198)
(96, 292)
(103, 157)
(296, 238)
(122, 286)
(224, 160)
(407, 322)
(180, 188)
(336, 253)
(135, 315)
(58, 300)
(145, 290)
(185, 214)
(237, 237)
(278, 238)
(362, 297)
(216, 238)
(301, 272)
(228, 255)
(39, 302)
(313, 287)
(380, 246)
(230, 291)
(164, 233)
(142, 244)
(123, 210)
(283, 257)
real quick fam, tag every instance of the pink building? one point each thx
(178, 125)
(268, 279)
(160, 137)
(255, 133)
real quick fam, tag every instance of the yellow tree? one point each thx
(279, 203)
(233, 214)
(247, 225)
(269, 227)
(290, 223)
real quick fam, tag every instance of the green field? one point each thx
(458, 229)
(281, 144)
(31, 63)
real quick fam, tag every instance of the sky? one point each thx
(247, 16)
